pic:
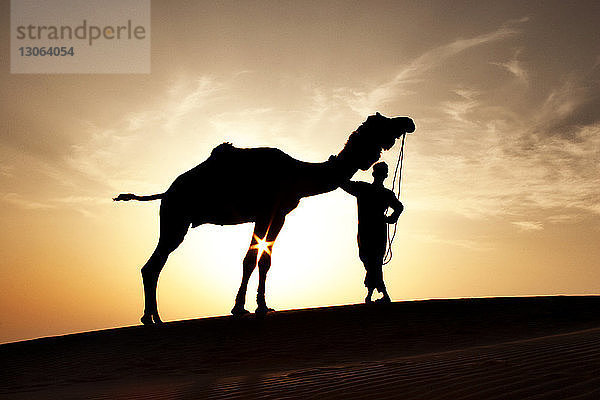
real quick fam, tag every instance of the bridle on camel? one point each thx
(397, 172)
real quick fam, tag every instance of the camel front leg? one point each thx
(259, 253)
(263, 267)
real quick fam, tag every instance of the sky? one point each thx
(500, 182)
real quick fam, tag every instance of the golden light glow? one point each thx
(262, 245)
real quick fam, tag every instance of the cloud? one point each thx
(77, 203)
(19, 201)
(141, 136)
(367, 101)
(436, 56)
(70, 200)
(572, 105)
(112, 154)
(6, 170)
(458, 109)
(470, 244)
(487, 176)
(515, 67)
(529, 225)
(206, 88)
(182, 98)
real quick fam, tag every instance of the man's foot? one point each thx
(384, 299)
(157, 320)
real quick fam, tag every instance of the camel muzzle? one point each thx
(402, 125)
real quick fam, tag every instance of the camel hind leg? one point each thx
(172, 232)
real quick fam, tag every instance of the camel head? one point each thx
(376, 134)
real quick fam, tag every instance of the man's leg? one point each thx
(368, 279)
(386, 298)
(369, 282)
(369, 294)
(378, 277)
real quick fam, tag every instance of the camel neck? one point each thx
(317, 178)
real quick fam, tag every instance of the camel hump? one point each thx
(242, 156)
(221, 149)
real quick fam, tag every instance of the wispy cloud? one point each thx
(100, 156)
(181, 98)
(488, 175)
(183, 101)
(79, 204)
(365, 102)
(111, 155)
(6, 170)
(529, 225)
(71, 200)
(19, 201)
(458, 109)
(572, 105)
(515, 67)
(436, 56)
(470, 244)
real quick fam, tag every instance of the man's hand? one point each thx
(391, 219)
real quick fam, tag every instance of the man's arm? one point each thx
(397, 206)
(351, 187)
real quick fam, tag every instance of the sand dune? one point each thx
(502, 348)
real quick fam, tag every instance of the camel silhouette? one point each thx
(260, 185)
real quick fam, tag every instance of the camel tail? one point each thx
(131, 196)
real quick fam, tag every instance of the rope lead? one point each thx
(388, 254)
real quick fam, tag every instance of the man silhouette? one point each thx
(373, 200)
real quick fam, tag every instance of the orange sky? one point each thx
(500, 184)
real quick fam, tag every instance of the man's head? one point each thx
(380, 171)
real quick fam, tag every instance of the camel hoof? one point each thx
(239, 311)
(383, 300)
(151, 319)
(262, 311)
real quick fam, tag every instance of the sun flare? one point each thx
(262, 245)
